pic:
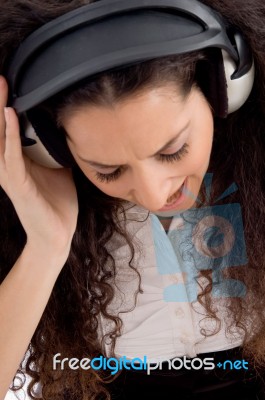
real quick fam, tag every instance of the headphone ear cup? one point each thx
(239, 89)
(50, 149)
(34, 149)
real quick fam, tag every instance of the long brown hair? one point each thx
(83, 286)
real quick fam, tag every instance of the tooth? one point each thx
(174, 197)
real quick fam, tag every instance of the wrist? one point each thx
(41, 253)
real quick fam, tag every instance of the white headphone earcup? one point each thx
(238, 90)
(37, 152)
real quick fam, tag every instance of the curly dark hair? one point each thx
(84, 284)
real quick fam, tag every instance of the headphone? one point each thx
(111, 34)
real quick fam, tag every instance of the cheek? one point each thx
(111, 189)
(200, 152)
(198, 160)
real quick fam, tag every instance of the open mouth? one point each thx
(176, 198)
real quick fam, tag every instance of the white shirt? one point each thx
(163, 324)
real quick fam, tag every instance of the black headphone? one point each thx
(111, 34)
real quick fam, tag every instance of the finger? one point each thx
(14, 161)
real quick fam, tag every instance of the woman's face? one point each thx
(143, 149)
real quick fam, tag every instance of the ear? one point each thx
(238, 89)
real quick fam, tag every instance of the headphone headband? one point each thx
(109, 34)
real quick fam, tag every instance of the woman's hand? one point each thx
(45, 199)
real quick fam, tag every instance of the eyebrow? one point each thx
(106, 166)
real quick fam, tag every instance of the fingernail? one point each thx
(6, 110)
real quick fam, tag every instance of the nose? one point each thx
(150, 191)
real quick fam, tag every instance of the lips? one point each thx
(175, 199)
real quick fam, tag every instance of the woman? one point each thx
(86, 243)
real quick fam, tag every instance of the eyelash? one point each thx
(162, 157)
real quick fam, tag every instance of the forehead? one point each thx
(135, 115)
(134, 130)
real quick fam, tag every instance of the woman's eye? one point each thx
(109, 177)
(113, 176)
(175, 156)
